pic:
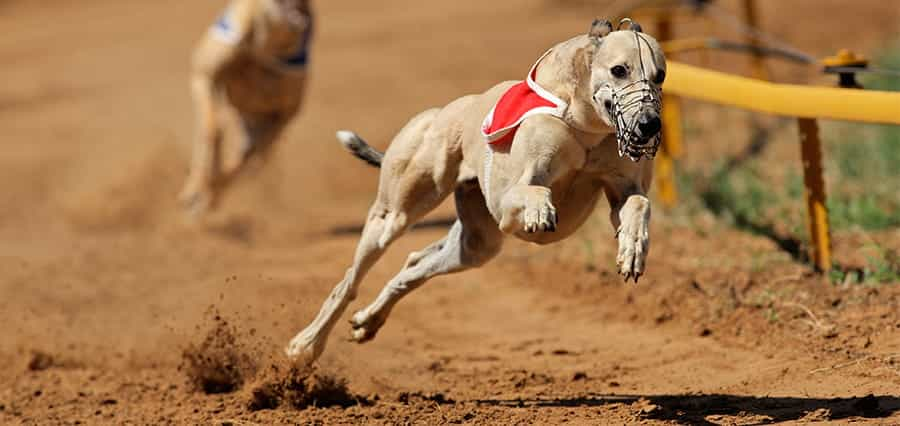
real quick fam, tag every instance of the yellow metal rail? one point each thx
(867, 106)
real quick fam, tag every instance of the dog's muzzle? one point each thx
(635, 112)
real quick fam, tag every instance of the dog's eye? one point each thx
(618, 71)
(660, 77)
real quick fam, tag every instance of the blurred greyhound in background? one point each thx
(594, 129)
(254, 60)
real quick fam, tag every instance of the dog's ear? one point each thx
(633, 26)
(599, 29)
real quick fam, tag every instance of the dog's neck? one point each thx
(566, 73)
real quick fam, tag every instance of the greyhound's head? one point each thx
(627, 72)
(297, 12)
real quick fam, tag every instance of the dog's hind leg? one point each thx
(415, 177)
(472, 241)
(206, 158)
(260, 132)
(380, 229)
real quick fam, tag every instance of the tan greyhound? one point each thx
(254, 60)
(600, 135)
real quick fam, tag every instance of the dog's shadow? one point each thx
(697, 409)
(238, 229)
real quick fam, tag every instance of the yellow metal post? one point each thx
(710, 29)
(757, 61)
(811, 153)
(671, 130)
(751, 17)
(671, 148)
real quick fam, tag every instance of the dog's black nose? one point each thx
(649, 125)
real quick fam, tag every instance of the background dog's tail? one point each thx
(358, 147)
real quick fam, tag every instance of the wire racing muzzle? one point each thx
(627, 104)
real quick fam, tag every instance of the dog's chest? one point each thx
(256, 87)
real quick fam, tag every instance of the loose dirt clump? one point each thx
(287, 384)
(220, 363)
(40, 361)
(225, 362)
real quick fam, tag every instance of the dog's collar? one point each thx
(301, 57)
(227, 30)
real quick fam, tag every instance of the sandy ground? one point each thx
(114, 309)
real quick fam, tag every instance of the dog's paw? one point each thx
(363, 326)
(539, 214)
(303, 348)
(540, 219)
(196, 200)
(528, 208)
(634, 243)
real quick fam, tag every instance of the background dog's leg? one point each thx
(630, 217)
(210, 59)
(473, 240)
(260, 133)
(207, 147)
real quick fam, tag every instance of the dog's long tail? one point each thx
(358, 147)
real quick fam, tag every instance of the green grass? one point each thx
(889, 58)
(882, 266)
(740, 196)
(863, 190)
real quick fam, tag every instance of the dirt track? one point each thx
(102, 287)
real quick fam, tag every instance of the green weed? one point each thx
(882, 267)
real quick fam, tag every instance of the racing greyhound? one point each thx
(590, 124)
(253, 59)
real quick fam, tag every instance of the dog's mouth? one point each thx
(626, 109)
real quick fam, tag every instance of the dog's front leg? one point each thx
(630, 217)
(544, 151)
(211, 58)
(527, 205)
(205, 159)
(633, 234)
